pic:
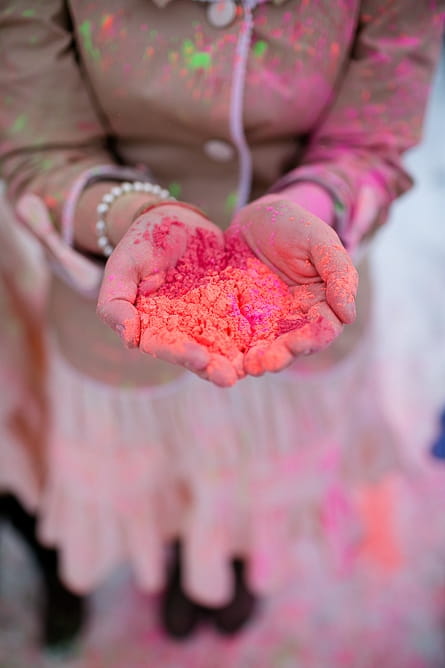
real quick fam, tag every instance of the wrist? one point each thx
(123, 211)
(174, 207)
(118, 219)
(312, 197)
(119, 215)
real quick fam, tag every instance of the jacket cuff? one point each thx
(79, 272)
(87, 178)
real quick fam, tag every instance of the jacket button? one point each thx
(218, 150)
(221, 13)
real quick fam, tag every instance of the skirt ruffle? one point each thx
(23, 281)
(252, 471)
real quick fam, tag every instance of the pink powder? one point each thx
(223, 298)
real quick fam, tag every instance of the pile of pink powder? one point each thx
(226, 299)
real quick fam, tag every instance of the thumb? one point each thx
(123, 318)
(117, 296)
(337, 270)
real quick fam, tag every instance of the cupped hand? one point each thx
(140, 261)
(308, 255)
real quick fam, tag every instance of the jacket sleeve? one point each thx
(53, 137)
(376, 114)
(51, 128)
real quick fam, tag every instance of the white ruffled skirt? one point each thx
(249, 471)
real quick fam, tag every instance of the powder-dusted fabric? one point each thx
(139, 451)
(351, 77)
(22, 402)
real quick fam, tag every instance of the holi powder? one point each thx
(224, 298)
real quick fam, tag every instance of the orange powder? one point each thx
(225, 299)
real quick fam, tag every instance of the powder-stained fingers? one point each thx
(253, 359)
(278, 356)
(123, 318)
(309, 338)
(318, 332)
(335, 267)
(117, 296)
(221, 371)
(238, 365)
(321, 330)
(270, 357)
(305, 296)
(183, 352)
(151, 283)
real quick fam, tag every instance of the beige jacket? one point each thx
(221, 102)
(334, 91)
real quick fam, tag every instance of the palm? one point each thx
(140, 262)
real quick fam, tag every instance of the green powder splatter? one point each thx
(85, 31)
(195, 60)
(19, 123)
(260, 48)
(174, 189)
(200, 60)
(29, 12)
(231, 201)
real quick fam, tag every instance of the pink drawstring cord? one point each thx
(237, 130)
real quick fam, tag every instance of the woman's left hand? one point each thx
(308, 255)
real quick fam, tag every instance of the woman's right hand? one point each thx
(137, 260)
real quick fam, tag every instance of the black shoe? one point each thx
(64, 612)
(180, 615)
(64, 615)
(235, 615)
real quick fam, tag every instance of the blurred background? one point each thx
(392, 622)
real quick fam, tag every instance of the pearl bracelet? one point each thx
(107, 200)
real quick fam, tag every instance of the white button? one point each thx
(221, 13)
(219, 150)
